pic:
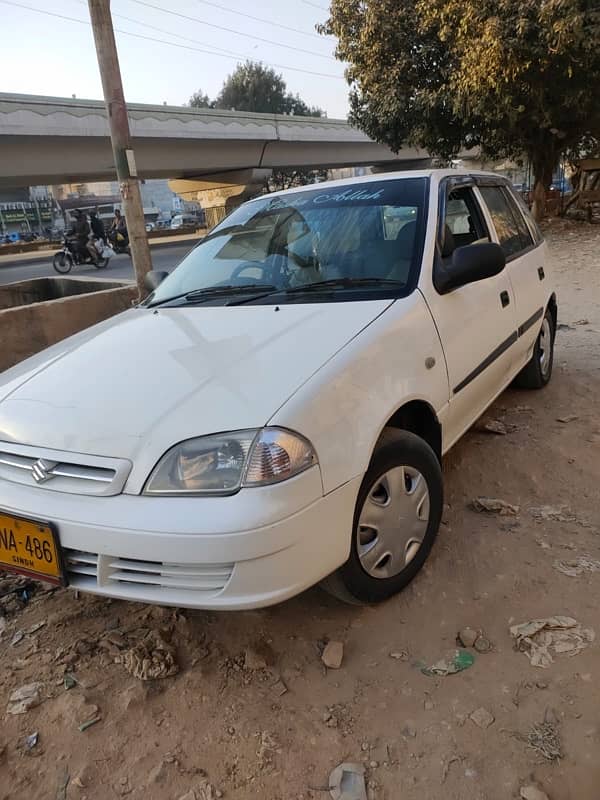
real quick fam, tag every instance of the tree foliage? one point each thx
(200, 100)
(254, 87)
(515, 78)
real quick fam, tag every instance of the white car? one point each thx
(275, 413)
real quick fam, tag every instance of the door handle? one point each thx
(504, 298)
(541, 273)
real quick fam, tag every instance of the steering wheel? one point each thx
(250, 265)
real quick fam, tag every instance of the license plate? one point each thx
(30, 548)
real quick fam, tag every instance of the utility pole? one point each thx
(108, 62)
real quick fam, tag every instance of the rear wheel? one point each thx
(396, 520)
(62, 262)
(538, 371)
(102, 263)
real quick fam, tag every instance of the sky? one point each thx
(45, 55)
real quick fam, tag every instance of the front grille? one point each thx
(63, 472)
(151, 578)
(79, 563)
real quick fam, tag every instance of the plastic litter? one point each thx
(151, 658)
(453, 662)
(492, 505)
(539, 639)
(31, 740)
(88, 723)
(347, 782)
(69, 681)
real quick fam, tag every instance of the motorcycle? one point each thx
(119, 243)
(69, 256)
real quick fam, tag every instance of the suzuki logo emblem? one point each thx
(42, 470)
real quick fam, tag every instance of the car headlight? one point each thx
(224, 462)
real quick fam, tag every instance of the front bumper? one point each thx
(256, 548)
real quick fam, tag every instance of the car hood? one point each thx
(135, 385)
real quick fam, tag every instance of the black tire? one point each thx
(537, 372)
(396, 448)
(62, 262)
(102, 263)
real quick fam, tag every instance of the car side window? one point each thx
(524, 231)
(463, 223)
(509, 235)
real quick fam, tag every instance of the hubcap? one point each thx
(393, 522)
(545, 347)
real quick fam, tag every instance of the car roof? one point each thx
(434, 174)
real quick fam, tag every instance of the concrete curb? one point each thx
(22, 259)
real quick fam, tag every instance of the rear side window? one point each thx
(509, 235)
(538, 237)
(524, 232)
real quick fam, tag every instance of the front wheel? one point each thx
(396, 519)
(102, 263)
(538, 370)
(62, 262)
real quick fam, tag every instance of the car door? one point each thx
(525, 259)
(476, 322)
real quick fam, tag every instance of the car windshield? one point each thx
(363, 237)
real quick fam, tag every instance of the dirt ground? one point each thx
(253, 712)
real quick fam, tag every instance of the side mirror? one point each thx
(473, 262)
(153, 279)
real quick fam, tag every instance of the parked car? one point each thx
(282, 401)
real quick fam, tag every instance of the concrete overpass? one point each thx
(48, 140)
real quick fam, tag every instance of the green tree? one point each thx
(254, 87)
(518, 79)
(200, 100)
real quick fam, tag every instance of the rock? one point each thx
(532, 793)
(482, 644)
(494, 426)
(482, 718)
(191, 795)
(567, 419)
(400, 655)
(24, 698)
(18, 636)
(467, 636)
(409, 731)
(253, 660)
(428, 705)
(491, 505)
(373, 764)
(333, 655)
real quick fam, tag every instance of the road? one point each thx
(164, 257)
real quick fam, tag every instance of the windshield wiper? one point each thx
(343, 283)
(198, 295)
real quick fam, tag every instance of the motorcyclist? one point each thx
(82, 232)
(119, 228)
(97, 226)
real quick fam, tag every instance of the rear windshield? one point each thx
(362, 231)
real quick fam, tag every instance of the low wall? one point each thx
(52, 309)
